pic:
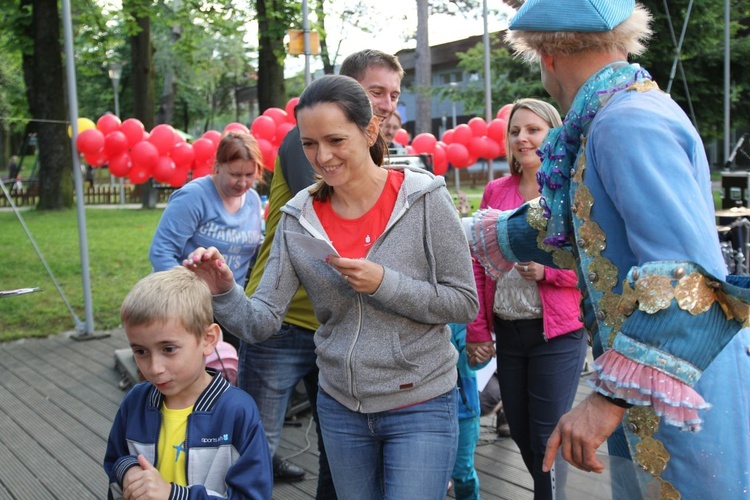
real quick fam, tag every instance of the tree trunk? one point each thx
(325, 56)
(141, 53)
(271, 52)
(45, 90)
(423, 70)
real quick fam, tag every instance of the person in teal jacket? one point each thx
(465, 479)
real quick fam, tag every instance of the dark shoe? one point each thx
(501, 425)
(286, 472)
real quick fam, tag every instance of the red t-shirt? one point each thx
(352, 238)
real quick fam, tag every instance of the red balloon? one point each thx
(178, 138)
(462, 134)
(502, 150)
(477, 147)
(289, 108)
(478, 126)
(96, 160)
(281, 130)
(458, 155)
(108, 123)
(504, 112)
(115, 143)
(120, 165)
(410, 150)
(179, 178)
(263, 127)
(164, 169)
(139, 174)
(497, 129)
(236, 126)
(144, 156)
(401, 137)
(162, 136)
(268, 152)
(204, 151)
(213, 136)
(90, 142)
(424, 143)
(201, 171)
(493, 148)
(439, 160)
(278, 115)
(133, 130)
(448, 136)
(183, 155)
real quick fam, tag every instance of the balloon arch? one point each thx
(130, 151)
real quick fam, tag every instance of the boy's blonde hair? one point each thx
(175, 294)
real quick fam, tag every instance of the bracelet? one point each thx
(618, 402)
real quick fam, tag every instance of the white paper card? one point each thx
(320, 249)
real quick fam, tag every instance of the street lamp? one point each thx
(115, 72)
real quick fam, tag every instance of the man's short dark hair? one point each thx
(356, 64)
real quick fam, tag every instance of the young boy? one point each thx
(465, 479)
(186, 432)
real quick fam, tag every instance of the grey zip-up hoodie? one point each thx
(389, 349)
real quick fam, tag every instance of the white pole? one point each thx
(727, 130)
(487, 82)
(306, 34)
(455, 168)
(87, 329)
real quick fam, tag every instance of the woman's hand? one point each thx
(479, 352)
(530, 271)
(361, 274)
(209, 264)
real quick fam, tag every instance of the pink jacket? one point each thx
(560, 298)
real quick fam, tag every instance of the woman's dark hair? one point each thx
(351, 98)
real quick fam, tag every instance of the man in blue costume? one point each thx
(626, 200)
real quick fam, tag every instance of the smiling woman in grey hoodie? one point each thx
(387, 401)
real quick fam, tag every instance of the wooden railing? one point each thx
(103, 194)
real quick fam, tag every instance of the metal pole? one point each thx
(86, 330)
(306, 34)
(115, 85)
(487, 82)
(455, 168)
(727, 131)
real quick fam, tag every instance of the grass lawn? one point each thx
(118, 241)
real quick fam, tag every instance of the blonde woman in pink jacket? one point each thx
(533, 310)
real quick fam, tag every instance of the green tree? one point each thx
(512, 78)
(39, 23)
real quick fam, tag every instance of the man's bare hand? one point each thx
(581, 431)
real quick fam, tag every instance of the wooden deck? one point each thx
(58, 397)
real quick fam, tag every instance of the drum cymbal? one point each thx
(723, 229)
(734, 212)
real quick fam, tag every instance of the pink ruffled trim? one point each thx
(622, 378)
(484, 243)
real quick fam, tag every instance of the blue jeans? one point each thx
(269, 371)
(465, 479)
(397, 454)
(538, 382)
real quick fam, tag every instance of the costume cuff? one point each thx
(489, 242)
(616, 376)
